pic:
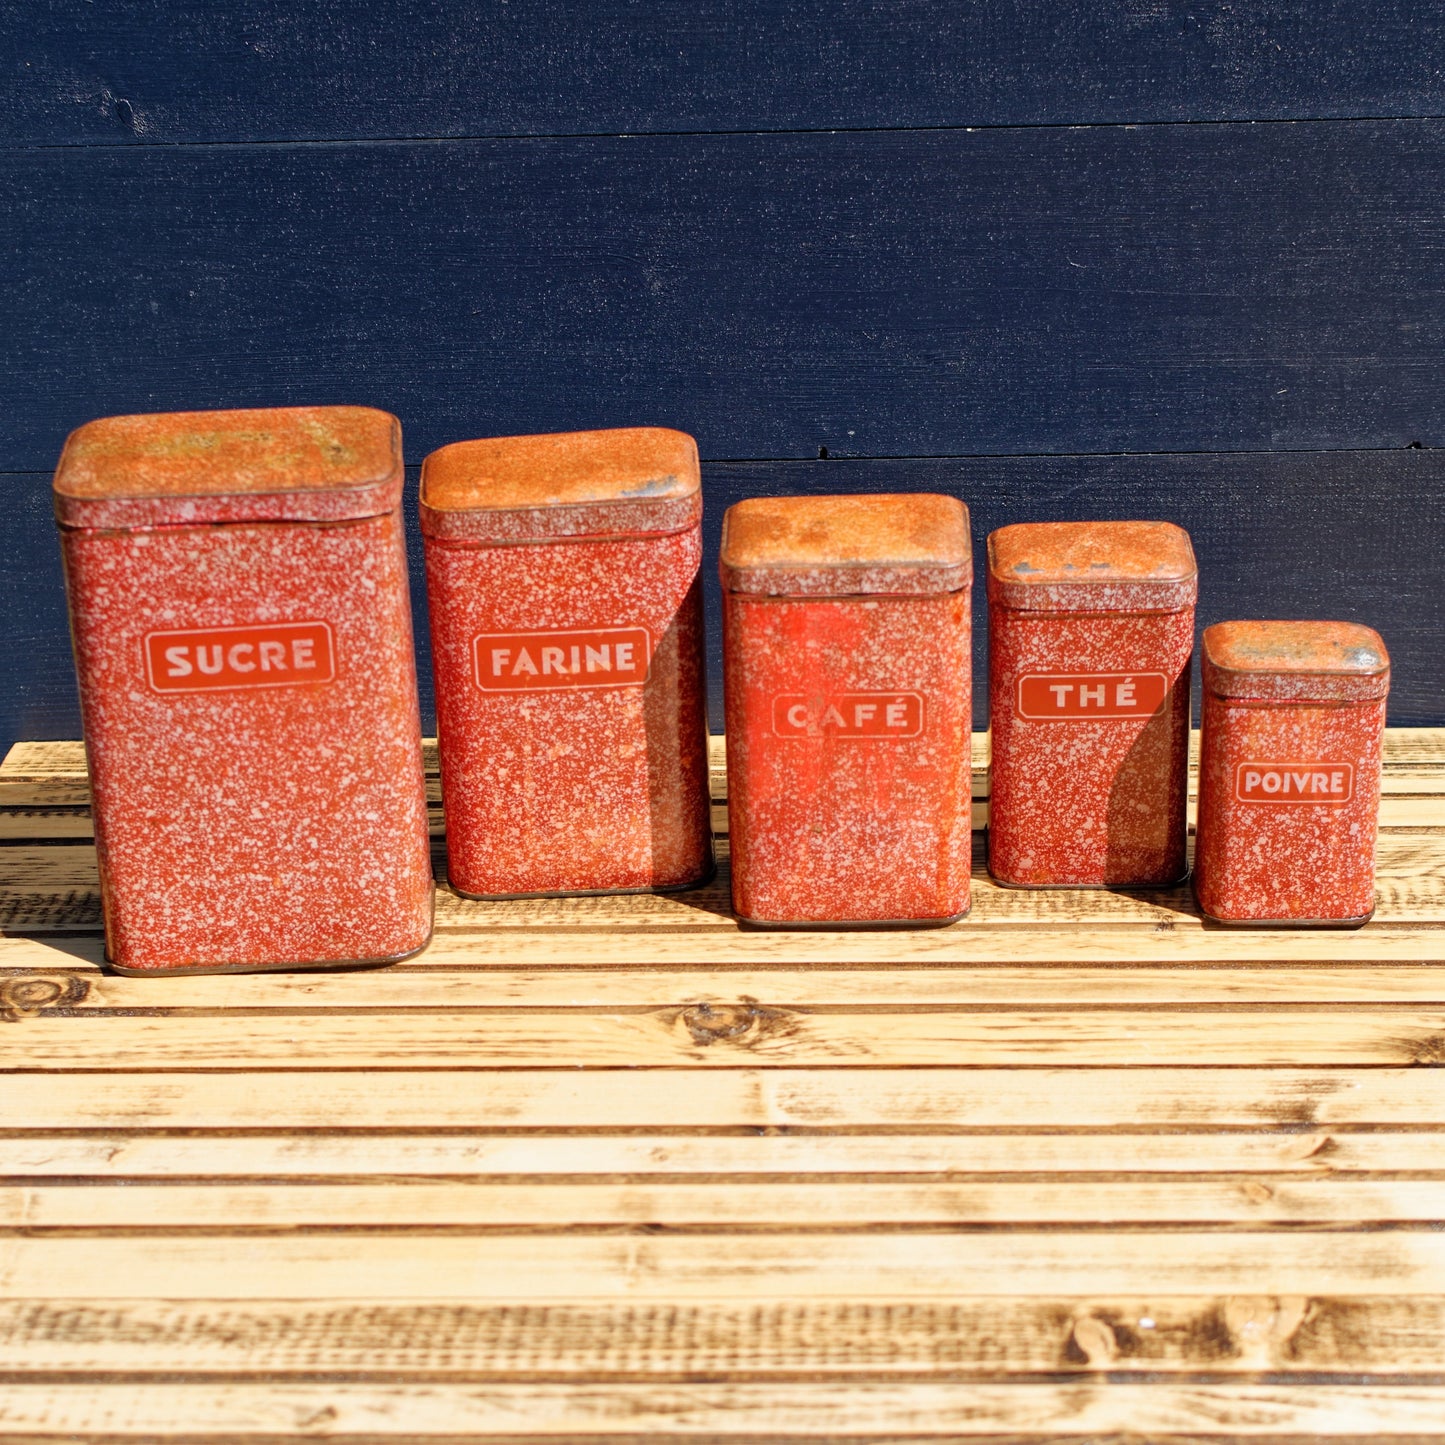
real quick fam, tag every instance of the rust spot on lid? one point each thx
(911, 542)
(1295, 661)
(323, 463)
(1342, 647)
(1091, 566)
(561, 469)
(210, 453)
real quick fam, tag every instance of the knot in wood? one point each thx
(25, 997)
(743, 1023)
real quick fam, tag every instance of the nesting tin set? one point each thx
(242, 633)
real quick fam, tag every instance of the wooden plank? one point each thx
(735, 1036)
(263, 71)
(768, 1411)
(177, 1208)
(934, 1099)
(622, 1264)
(1382, 1334)
(48, 888)
(882, 987)
(818, 1157)
(1060, 944)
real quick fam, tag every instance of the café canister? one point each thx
(566, 618)
(1289, 774)
(242, 634)
(1091, 632)
(847, 680)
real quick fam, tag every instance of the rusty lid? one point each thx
(1296, 661)
(630, 481)
(1091, 567)
(909, 542)
(297, 464)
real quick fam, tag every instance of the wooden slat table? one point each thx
(1077, 1168)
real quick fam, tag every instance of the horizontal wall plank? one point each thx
(356, 1264)
(1167, 942)
(808, 1156)
(1383, 1335)
(732, 1036)
(752, 1411)
(1182, 288)
(1048, 1099)
(176, 1208)
(888, 987)
(264, 71)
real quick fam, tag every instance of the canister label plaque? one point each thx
(1328, 783)
(277, 654)
(849, 715)
(1094, 696)
(548, 661)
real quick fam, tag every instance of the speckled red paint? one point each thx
(1289, 779)
(846, 642)
(566, 616)
(1091, 630)
(243, 642)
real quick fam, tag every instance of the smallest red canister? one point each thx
(1289, 774)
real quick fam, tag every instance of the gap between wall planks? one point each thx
(1076, 1166)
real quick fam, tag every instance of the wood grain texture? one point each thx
(626, 1264)
(1227, 1334)
(843, 1099)
(735, 1036)
(473, 1155)
(1078, 1168)
(881, 1411)
(843, 1206)
(264, 71)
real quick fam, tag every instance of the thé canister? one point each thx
(242, 634)
(1091, 632)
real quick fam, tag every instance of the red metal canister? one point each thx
(1289, 777)
(242, 632)
(566, 617)
(846, 643)
(1091, 631)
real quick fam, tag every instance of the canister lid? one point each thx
(293, 464)
(908, 542)
(1295, 661)
(1091, 567)
(624, 482)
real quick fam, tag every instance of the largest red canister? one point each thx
(846, 635)
(242, 633)
(1091, 632)
(566, 616)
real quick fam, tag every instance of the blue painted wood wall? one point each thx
(1133, 259)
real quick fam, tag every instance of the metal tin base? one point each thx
(1346, 923)
(701, 881)
(851, 925)
(1088, 887)
(338, 964)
